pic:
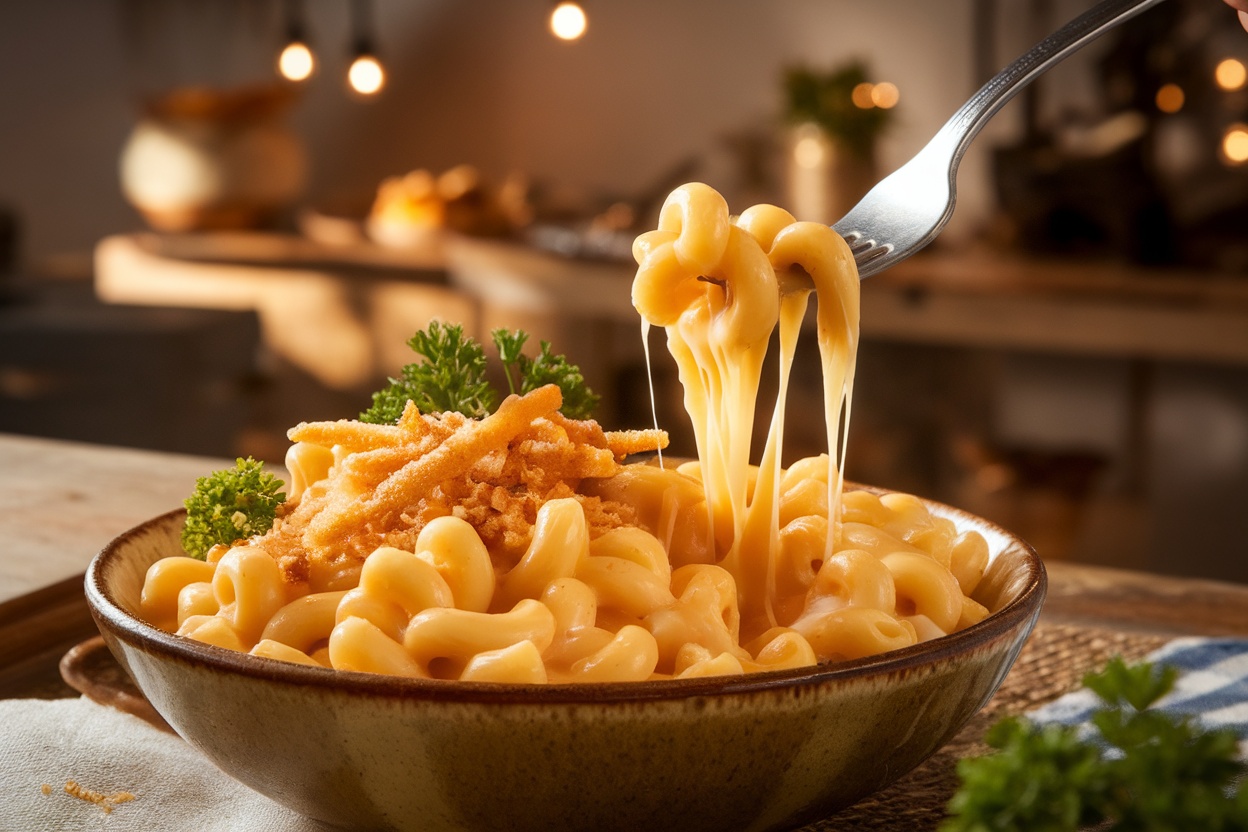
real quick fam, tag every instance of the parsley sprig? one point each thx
(1144, 770)
(231, 504)
(525, 374)
(453, 376)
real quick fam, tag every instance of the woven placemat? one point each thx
(1052, 663)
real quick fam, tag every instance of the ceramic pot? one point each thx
(206, 159)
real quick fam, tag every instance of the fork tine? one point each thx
(872, 254)
(858, 244)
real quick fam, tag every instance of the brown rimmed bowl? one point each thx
(756, 752)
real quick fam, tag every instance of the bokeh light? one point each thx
(885, 95)
(568, 21)
(1230, 75)
(296, 63)
(867, 95)
(1235, 144)
(366, 75)
(808, 152)
(861, 96)
(1170, 98)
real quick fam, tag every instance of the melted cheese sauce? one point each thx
(721, 286)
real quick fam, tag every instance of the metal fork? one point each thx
(905, 211)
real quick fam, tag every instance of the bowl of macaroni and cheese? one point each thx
(768, 749)
(505, 621)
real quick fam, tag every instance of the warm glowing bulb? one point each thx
(1235, 144)
(366, 75)
(1230, 74)
(885, 95)
(861, 96)
(296, 62)
(1170, 98)
(568, 21)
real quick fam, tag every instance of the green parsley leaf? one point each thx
(1038, 780)
(1139, 686)
(229, 505)
(510, 346)
(1144, 770)
(526, 374)
(578, 400)
(452, 377)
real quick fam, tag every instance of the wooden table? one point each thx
(60, 502)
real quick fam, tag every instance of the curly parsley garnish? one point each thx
(525, 374)
(231, 504)
(453, 376)
(1144, 770)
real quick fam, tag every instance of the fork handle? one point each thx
(966, 123)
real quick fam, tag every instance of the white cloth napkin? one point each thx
(49, 743)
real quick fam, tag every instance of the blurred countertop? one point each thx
(1066, 306)
(342, 314)
(333, 309)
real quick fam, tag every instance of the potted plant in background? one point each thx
(835, 119)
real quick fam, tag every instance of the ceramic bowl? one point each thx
(755, 752)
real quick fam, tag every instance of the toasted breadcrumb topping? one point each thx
(107, 802)
(494, 473)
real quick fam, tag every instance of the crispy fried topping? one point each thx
(495, 473)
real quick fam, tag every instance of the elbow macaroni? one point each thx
(724, 567)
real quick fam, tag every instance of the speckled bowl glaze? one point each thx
(757, 752)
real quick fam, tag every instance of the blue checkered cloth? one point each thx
(1212, 687)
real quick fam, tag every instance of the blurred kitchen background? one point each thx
(196, 253)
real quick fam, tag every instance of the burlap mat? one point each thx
(1052, 663)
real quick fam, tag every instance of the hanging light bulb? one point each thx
(296, 62)
(366, 75)
(568, 20)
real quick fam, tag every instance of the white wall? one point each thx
(477, 81)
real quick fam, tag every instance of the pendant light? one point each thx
(568, 20)
(366, 75)
(296, 62)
